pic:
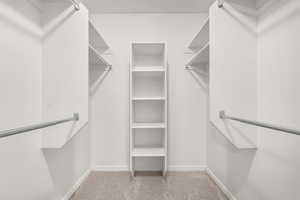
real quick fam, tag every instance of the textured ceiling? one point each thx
(148, 6)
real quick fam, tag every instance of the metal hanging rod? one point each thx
(76, 4)
(221, 3)
(223, 115)
(23, 129)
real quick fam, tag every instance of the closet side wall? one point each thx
(271, 172)
(23, 167)
(26, 171)
(233, 71)
(187, 100)
(65, 88)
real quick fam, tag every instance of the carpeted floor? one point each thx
(175, 186)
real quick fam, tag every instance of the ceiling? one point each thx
(148, 6)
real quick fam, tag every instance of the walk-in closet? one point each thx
(149, 100)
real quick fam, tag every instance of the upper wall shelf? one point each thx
(98, 65)
(201, 57)
(148, 55)
(198, 65)
(97, 46)
(201, 38)
(95, 58)
(96, 40)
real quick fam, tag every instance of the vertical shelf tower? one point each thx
(148, 108)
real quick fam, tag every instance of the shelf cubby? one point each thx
(153, 138)
(149, 84)
(148, 163)
(148, 55)
(148, 112)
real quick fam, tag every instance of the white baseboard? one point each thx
(75, 187)
(186, 168)
(219, 183)
(114, 168)
(111, 168)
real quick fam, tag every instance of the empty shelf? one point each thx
(148, 98)
(149, 69)
(149, 125)
(201, 38)
(148, 152)
(96, 40)
(95, 57)
(201, 57)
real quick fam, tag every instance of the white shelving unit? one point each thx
(98, 65)
(198, 65)
(148, 107)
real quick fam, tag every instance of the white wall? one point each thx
(65, 88)
(271, 172)
(233, 72)
(26, 171)
(187, 100)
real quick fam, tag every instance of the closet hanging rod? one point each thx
(76, 4)
(223, 115)
(221, 3)
(23, 129)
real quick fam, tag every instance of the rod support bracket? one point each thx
(76, 5)
(76, 116)
(220, 3)
(222, 114)
(187, 67)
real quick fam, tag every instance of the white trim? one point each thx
(111, 168)
(219, 183)
(116, 168)
(77, 184)
(186, 168)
